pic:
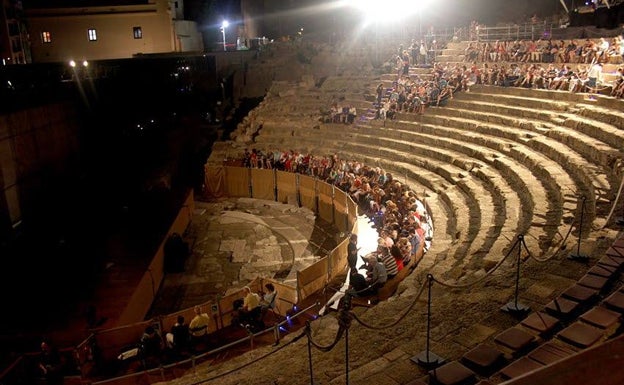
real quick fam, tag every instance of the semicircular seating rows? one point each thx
(492, 164)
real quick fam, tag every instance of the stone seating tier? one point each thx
(486, 217)
(522, 154)
(454, 187)
(526, 131)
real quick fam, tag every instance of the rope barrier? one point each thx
(617, 199)
(405, 312)
(470, 284)
(295, 339)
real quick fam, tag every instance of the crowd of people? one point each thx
(573, 51)
(570, 66)
(537, 64)
(400, 219)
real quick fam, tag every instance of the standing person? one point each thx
(422, 53)
(50, 363)
(594, 77)
(352, 252)
(380, 90)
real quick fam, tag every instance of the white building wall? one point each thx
(68, 28)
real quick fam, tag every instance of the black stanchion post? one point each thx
(427, 358)
(275, 188)
(516, 307)
(578, 256)
(346, 308)
(310, 354)
(347, 356)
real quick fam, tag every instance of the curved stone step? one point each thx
(452, 195)
(462, 141)
(481, 244)
(592, 149)
(584, 171)
(538, 203)
(505, 137)
(606, 133)
(505, 97)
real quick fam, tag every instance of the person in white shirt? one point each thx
(594, 76)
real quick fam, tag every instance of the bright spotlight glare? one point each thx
(72, 63)
(376, 10)
(85, 63)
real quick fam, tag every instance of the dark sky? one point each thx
(449, 12)
(460, 9)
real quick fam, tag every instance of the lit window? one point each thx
(46, 37)
(92, 34)
(137, 32)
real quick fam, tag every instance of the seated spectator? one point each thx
(50, 364)
(179, 338)
(569, 54)
(268, 297)
(344, 114)
(351, 115)
(358, 283)
(383, 253)
(151, 346)
(249, 312)
(198, 327)
(376, 276)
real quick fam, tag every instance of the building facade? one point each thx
(14, 48)
(110, 32)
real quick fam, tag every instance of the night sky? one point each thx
(461, 10)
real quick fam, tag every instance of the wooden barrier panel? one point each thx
(238, 181)
(111, 342)
(325, 201)
(312, 278)
(338, 259)
(353, 211)
(263, 184)
(287, 188)
(214, 182)
(307, 192)
(340, 210)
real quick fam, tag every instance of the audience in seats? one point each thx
(51, 364)
(179, 338)
(398, 216)
(151, 347)
(376, 275)
(268, 297)
(383, 254)
(358, 283)
(249, 312)
(199, 325)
